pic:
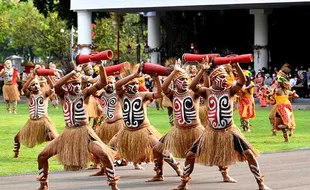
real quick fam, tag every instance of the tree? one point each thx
(131, 32)
(30, 34)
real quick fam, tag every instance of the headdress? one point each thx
(170, 62)
(111, 79)
(247, 73)
(282, 76)
(218, 71)
(87, 67)
(130, 68)
(180, 74)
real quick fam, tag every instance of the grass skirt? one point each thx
(135, 145)
(179, 140)
(10, 92)
(203, 115)
(36, 132)
(107, 130)
(217, 147)
(93, 108)
(72, 147)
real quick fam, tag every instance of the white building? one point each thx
(153, 9)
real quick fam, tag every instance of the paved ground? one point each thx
(283, 170)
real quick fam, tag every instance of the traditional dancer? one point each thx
(92, 105)
(136, 141)
(78, 139)
(187, 123)
(10, 88)
(263, 96)
(222, 143)
(38, 128)
(283, 114)
(246, 103)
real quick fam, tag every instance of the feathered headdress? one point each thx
(218, 71)
(130, 68)
(282, 76)
(170, 62)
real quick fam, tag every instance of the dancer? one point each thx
(10, 88)
(38, 128)
(263, 96)
(246, 103)
(92, 105)
(136, 141)
(78, 139)
(187, 123)
(283, 114)
(222, 143)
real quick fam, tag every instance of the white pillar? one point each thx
(153, 38)
(84, 31)
(261, 54)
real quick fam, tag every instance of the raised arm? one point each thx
(62, 81)
(156, 94)
(120, 83)
(241, 78)
(166, 84)
(27, 84)
(193, 86)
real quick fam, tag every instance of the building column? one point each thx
(84, 31)
(153, 37)
(261, 52)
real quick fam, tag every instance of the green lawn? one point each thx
(260, 136)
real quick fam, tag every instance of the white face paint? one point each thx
(220, 81)
(90, 72)
(74, 88)
(8, 65)
(35, 87)
(132, 88)
(181, 84)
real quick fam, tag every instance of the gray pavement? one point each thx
(283, 170)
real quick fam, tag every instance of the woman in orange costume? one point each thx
(263, 96)
(284, 118)
(246, 104)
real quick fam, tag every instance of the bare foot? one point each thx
(263, 187)
(138, 167)
(156, 178)
(100, 173)
(229, 179)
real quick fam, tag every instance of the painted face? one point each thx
(74, 88)
(35, 87)
(133, 87)
(8, 64)
(110, 87)
(220, 81)
(52, 66)
(89, 72)
(181, 84)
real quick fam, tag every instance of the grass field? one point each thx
(260, 136)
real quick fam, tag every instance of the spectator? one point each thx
(268, 80)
